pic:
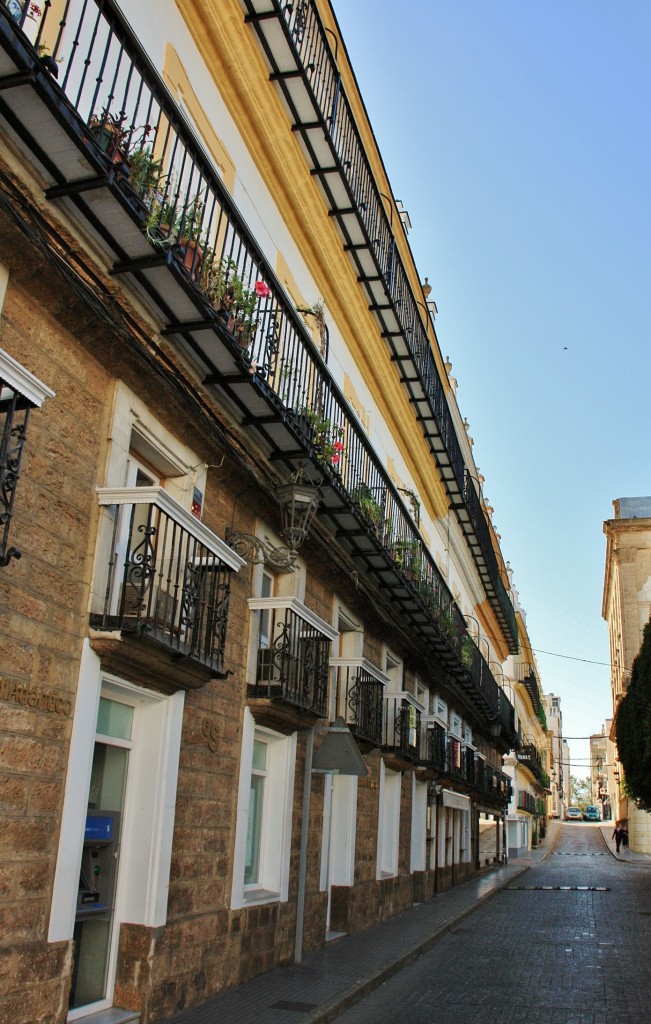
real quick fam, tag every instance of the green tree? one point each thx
(633, 727)
(580, 792)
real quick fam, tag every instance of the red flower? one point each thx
(338, 446)
(334, 460)
(262, 290)
(35, 11)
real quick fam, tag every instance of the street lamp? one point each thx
(299, 501)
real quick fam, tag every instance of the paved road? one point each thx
(539, 952)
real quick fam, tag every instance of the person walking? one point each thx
(618, 835)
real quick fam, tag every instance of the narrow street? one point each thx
(545, 950)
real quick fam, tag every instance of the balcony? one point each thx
(527, 802)
(530, 682)
(120, 156)
(529, 757)
(436, 747)
(359, 690)
(164, 581)
(292, 665)
(402, 729)
(297, 47)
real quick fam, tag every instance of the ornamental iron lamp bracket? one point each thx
(299, 502)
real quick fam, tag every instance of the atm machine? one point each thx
(95, 905)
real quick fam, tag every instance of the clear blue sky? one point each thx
(517, 137)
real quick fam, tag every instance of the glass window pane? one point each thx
(114, 719)
(259, 756)
(254, 830)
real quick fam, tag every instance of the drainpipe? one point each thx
(302, 863)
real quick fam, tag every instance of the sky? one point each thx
(516, 135)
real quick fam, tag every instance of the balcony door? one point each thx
(131, 535)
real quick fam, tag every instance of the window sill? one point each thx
(252, 897)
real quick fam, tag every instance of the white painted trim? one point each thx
(21, 380)
(163, 500)
(257, 604)
(363, 663)
(75, 803)
(456, 801)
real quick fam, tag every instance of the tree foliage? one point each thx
(580, 792)
(633, 726)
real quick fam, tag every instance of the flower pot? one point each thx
(50, 65)
(192, 256)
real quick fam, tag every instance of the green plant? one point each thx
(162, 222)
(413, 501)
(327, 441)
(467, 652)
(369, 506)
(446, 622)
(221, 283)
(406, 555)
(145, 173)
(633, 727)
(317, 310)
(191, 227)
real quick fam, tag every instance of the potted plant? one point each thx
(49, 62)
(326, 438)
(191, 240)
(467, 652)
(370, 508)
(112, 134)
(145, 173)
(406, 555)
(162, 221)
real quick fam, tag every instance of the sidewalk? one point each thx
(625, 853)
(338, 975)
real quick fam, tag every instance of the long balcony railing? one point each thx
(176, 218)
(302, 57)
(166, 578)
(529, 679)
(402, 725)
(293, 664)
(359, 689)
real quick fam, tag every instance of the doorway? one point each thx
(95, 925)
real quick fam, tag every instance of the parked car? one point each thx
(573, 814)
(591, 813)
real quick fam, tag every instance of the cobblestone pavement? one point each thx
(567, 942)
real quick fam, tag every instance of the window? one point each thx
(20, 392)
(256, 808)
(418, 824)
(388, 822)
(264, 815)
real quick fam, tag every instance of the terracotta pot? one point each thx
(192, 256)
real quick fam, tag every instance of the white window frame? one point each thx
(275, 842)
(388, 832)
(150, 799)
(418, 848)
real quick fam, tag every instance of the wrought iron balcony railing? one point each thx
(402, 725)
(360, 689)
(296, 44)
(134, 169)
(526, 802)
(167, 577)
(529, 756)
(436, 747)
(293, 664)
(529, 679)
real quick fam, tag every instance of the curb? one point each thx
(330, 1010)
